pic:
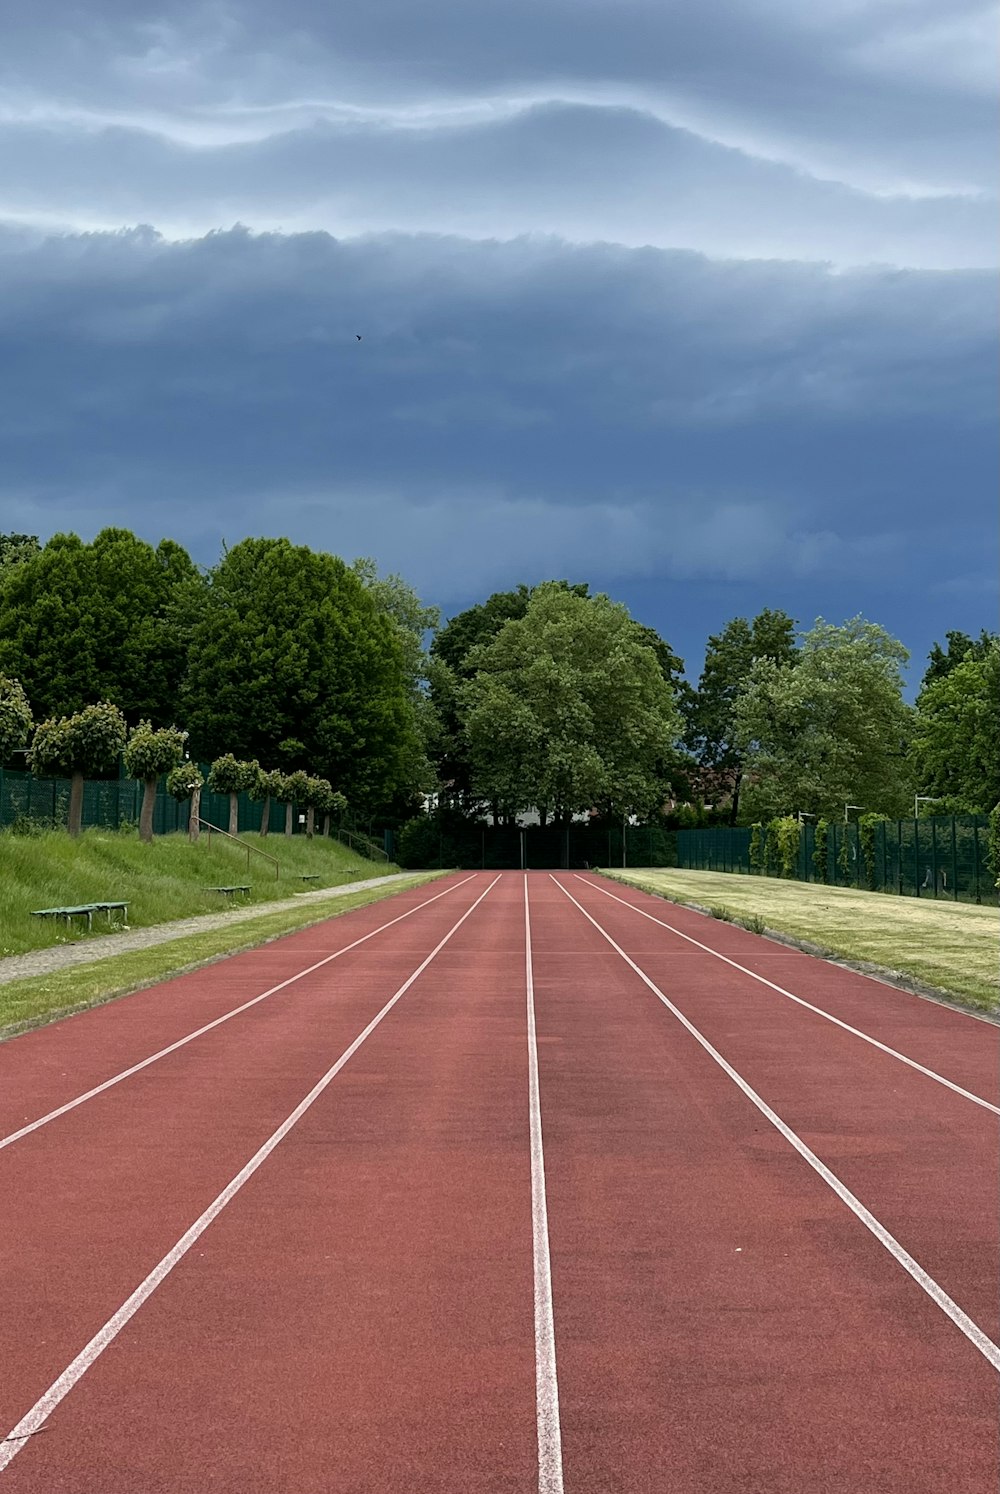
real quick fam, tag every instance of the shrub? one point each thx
(866, 841)
(819, 855)
(757, 857)
(719, 910)
(753, 923)
(787, 838)
(993, 844)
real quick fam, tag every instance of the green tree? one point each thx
(80, 745)
(80, 622)
(228, 775)
(956, 744)
(710, 711)
(185, 782)
(16, 548)
(295, 792)
(266, 786)
(829, 729)
(960, 647)
(149, 753)
(16, 720)
(568, 710)
(291, 646)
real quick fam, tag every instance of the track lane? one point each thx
(922, 1158)
(93, 1202)
(961, 1046)
(51, 1069)
(724, 1322)
(360, 1316)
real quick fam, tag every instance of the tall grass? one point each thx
(166, 880)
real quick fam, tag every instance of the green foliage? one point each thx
(87, 743)
(710, 711)
(568, 710)
(956, 745)
(753, 923)
(787, 838)
(17, 548)
(993, 844)
(103, 621)
(720, 911)
(16, 719)
(183, 780)
(296, 788)
(230, 776)
(940, 662)
(291, 645)
(844, 857)
(151, 752)
(866, 842)
(757, 848)
(830, 730)
(819, 855)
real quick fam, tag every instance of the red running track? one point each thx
(366, 1307)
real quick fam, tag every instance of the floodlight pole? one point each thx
(851, 806)
(924, 799)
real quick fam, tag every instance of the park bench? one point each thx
(82, 910)
(229, 891)
(308, 876)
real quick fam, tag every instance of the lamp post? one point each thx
(851, 806)
(919, 799)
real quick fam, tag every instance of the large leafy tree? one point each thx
(292, 649)
(829, 729)
(149, 753)
(16, 720)
(412, 621)
(567, 709)
(956, 743)
(710, 711)
(958, 648)
(80, 622)
(15, 548)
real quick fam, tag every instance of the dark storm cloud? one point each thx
(665, 413)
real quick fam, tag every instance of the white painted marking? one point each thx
(200, 1032)
(59, 1389)
(550, 1473)
(864, 1036)
(938, 1295)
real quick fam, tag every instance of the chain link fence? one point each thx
(941, 856)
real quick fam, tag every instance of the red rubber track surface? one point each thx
(360, 1316)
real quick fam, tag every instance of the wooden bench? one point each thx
(82, 910)
(308, 876)
(244, 887)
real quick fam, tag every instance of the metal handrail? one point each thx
(244, 843)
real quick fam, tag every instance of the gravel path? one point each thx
(43, 961)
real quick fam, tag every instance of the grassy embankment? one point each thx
(951, 947)
(162, 882)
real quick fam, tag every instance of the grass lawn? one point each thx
(41, 996)
(952, 947)
(166, 880)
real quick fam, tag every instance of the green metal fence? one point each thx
(942, 856)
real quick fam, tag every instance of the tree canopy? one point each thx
(567, 709)
(956, 742)
(829, 729)
(710, 711)
(80, 623)
(291, 646)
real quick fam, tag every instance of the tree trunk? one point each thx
(194, 829)
(146, 812)
(310, 821)
(265, 817)
(289, 812)
(234, 814)
(75, 818)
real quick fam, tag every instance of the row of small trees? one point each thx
(89, 742)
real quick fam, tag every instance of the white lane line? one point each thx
(962, 1321)
(550, 1472)
(59, 1389)
(43, 1120)
(864, 1036)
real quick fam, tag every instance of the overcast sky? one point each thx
(691, 299)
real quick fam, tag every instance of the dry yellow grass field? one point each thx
(954, 947)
